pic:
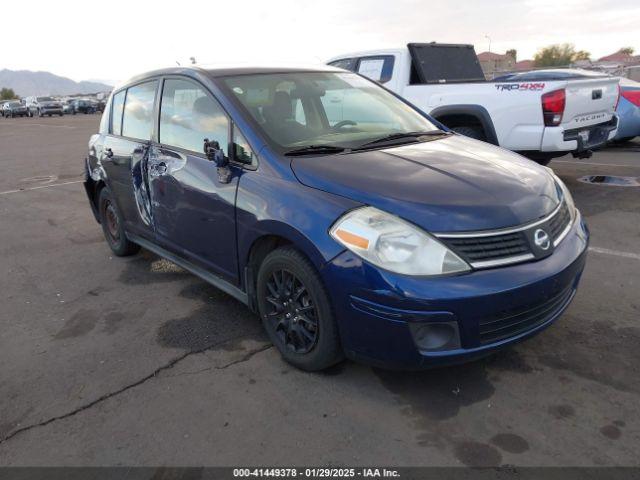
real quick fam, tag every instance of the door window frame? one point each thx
(231, 124)
(153, 115)
(126, 94)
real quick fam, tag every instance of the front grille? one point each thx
(559, 221)
(481, 249)
(485, 249)
(509, 323)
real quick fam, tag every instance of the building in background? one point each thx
(496, 63)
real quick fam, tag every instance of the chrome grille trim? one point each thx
(502, 231)
(502, 261)
(564, 233)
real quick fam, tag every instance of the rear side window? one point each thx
(137, 121)
(188, 115)
(346, 63)
(379, 68)
(104, 121)
(116, 112)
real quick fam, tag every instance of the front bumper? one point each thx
(559, 139)
(376, 309)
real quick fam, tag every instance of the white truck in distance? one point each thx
(541, 119)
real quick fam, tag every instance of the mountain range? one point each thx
(26, 82)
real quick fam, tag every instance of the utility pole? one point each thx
(488, 38)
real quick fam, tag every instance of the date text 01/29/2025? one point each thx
(316, 472)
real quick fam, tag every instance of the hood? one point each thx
(444, 185)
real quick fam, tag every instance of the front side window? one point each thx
(116, 113)
(243, 152)
(188, 115)
(299, 109)
(137, 121)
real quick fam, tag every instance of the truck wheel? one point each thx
(471, 132)
(113, 226)
(296, 311)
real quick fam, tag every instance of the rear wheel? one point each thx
(296, 311)
(113, 226)
(471, 132)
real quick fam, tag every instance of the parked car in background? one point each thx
(14, 109)
(360, 228)
(67, 107)
(541, 119)
(42, 106)
(100, 104)
(628, 110)
(83, 106)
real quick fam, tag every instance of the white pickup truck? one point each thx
(541, 119)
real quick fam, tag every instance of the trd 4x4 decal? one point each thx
(527, 86)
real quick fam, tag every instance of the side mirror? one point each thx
(214, 153)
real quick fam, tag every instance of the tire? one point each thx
(471, 132)
(113, 226)
(282, 311)
(60, 114)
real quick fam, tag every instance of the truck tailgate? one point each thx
(589, 102)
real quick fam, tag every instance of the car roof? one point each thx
(369, 53)
(215, 71)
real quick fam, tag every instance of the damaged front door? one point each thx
(193, 210)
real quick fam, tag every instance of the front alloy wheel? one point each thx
(292, 311)
(296, 311)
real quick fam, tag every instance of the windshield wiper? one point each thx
(311, 149)
(401, 135)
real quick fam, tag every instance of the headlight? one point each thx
(393, 244)
(566, 194)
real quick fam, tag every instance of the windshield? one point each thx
(14, 104)
(296, 110)
(45, 99)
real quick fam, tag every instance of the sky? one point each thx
(112, 40)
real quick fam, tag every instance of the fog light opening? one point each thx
(435, 337)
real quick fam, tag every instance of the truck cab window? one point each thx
(379, 68)
(346, 63)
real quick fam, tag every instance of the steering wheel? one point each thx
(344, 123)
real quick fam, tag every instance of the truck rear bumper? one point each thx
(557, 139)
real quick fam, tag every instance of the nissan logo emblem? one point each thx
(541, 239)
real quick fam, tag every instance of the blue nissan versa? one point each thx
(353, 223)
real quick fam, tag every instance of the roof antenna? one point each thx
(178, 63)
(193, 60)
